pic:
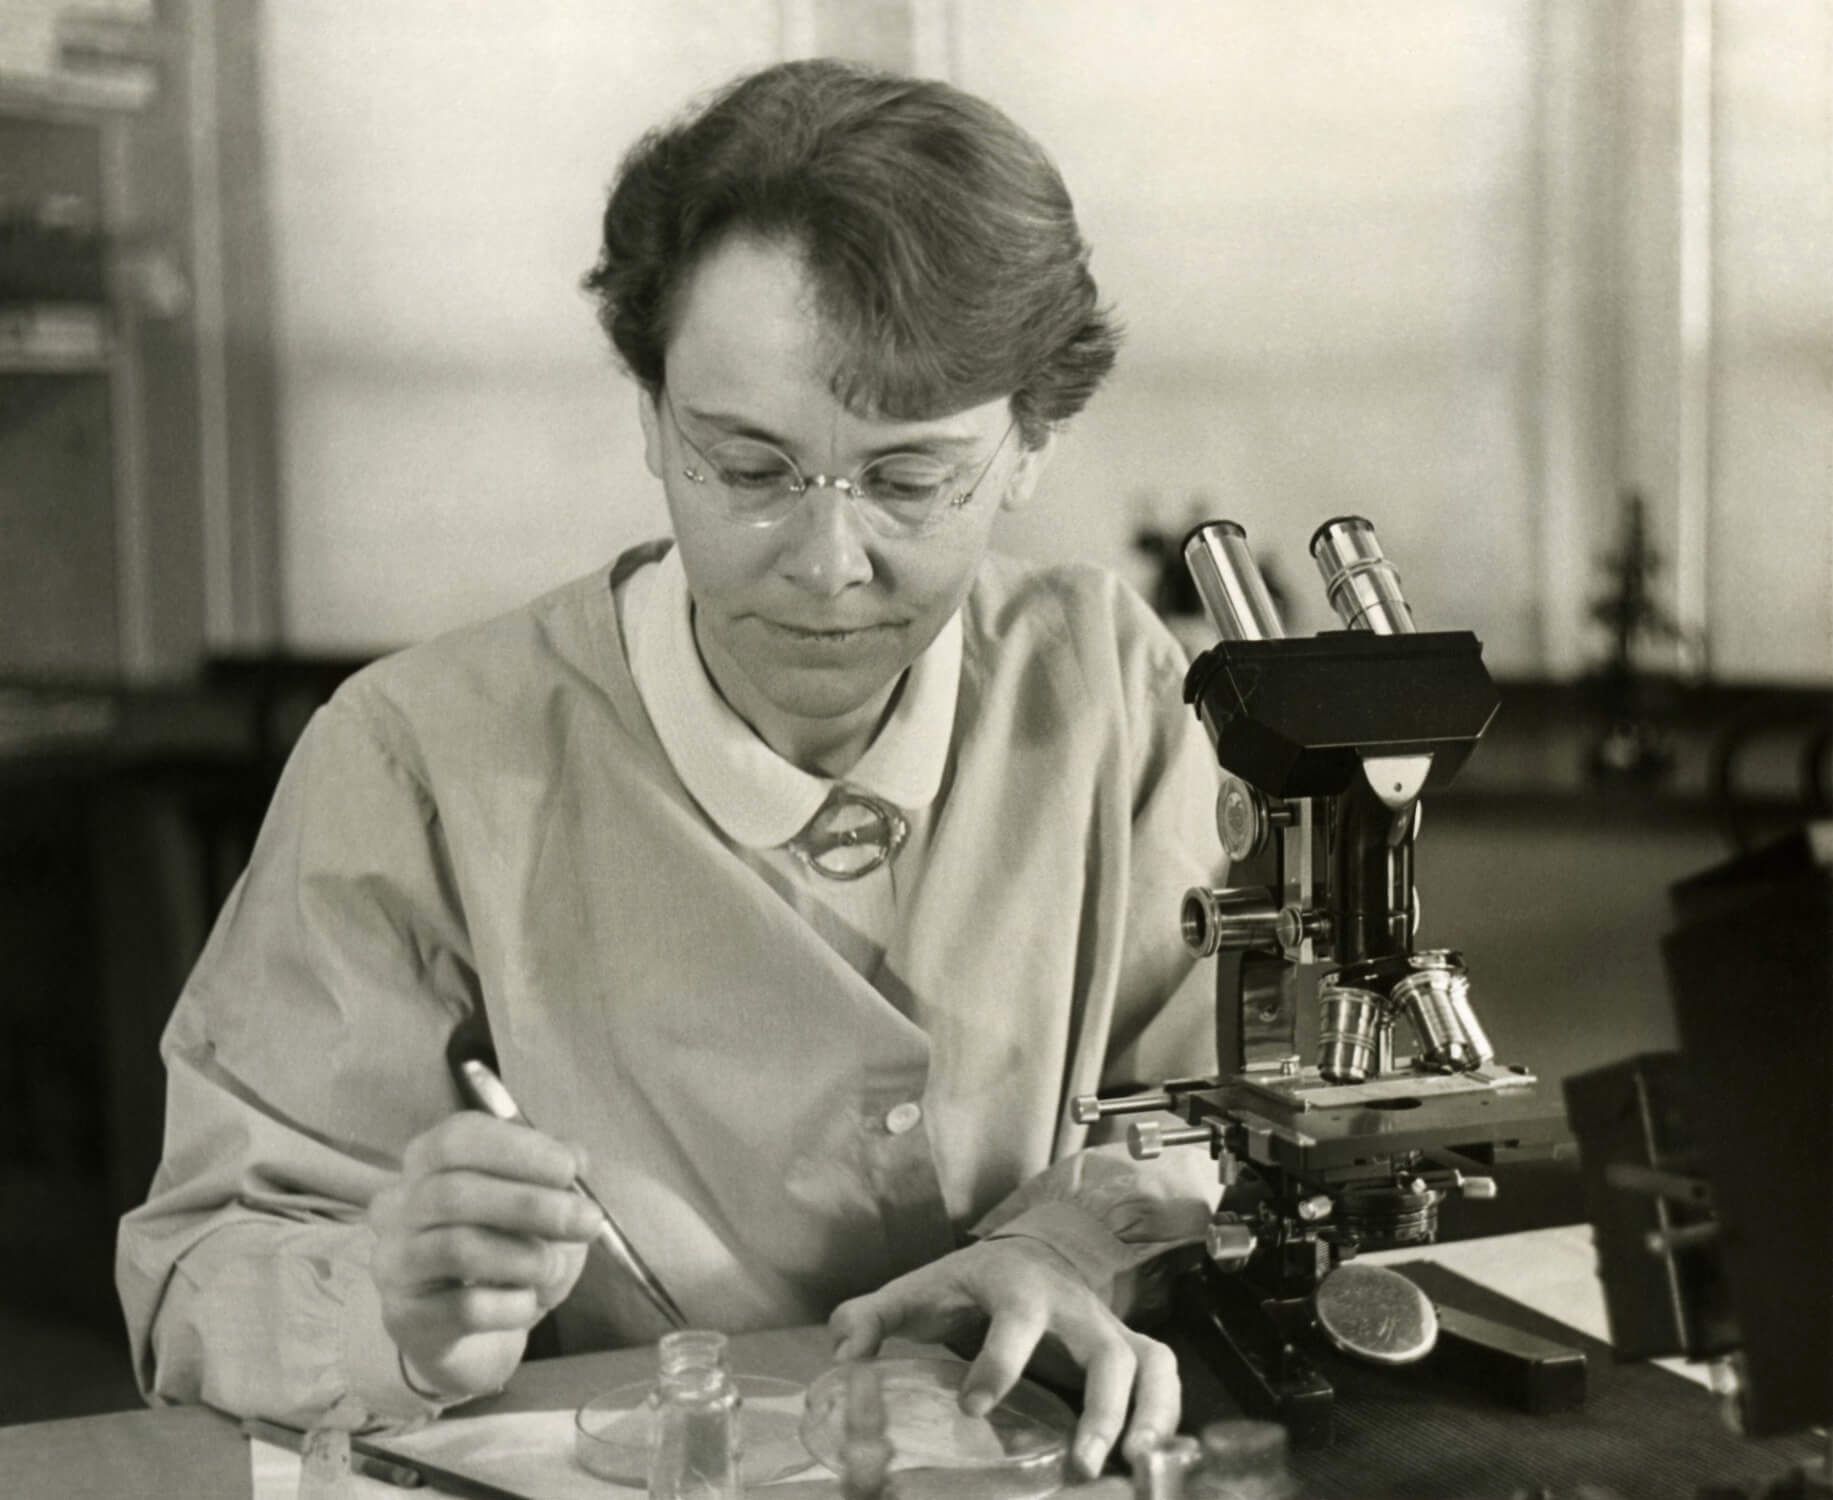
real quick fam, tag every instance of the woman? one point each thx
(800, 868)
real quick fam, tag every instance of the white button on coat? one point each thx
(902, 1117)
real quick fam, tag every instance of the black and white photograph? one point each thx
(905, 749)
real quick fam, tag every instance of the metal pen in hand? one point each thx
(487, 1092)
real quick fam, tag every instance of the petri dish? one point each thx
(613, 1432)
(1017, 1449)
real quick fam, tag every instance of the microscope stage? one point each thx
(1305, 1124)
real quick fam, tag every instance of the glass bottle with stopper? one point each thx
(698, 1444)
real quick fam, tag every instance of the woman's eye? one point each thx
(906, 483)
(759, 471)
(752, 478)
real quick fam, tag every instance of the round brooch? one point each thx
(851, 835)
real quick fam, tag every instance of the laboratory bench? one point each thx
(1644, 1430)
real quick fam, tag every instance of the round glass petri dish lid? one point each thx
(614, 1432)
(1016, 1450)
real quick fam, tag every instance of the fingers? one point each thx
(457, 1253)
(1121, 1369)
(1105, 1394)
(1030, 1301)
(930, 1303)
(1011, 1339)
(477, 1237)
(471, 1140)
(1158, 1393)
(855, 1329)
(1135, 1369)
(463, 1310)
(474, 1173)
(476, 1198)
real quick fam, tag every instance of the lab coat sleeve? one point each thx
(304, 1054)
(1112, 1217)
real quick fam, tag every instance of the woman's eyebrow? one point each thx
(945, 443)
(935, 442)
(734, 426)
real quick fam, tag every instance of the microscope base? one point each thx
(1254, 1343)
(1523, 1369)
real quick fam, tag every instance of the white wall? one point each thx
(454, 437)
(1405, 260)
(1769, 550)
(1319, 223)
(1727, 390)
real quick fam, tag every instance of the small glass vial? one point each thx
(1242, 1460)
(697, 1440)
(324, 1465)
(1161, 1466)
(865, 1446)
(324, 1455)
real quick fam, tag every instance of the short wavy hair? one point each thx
(943, 249)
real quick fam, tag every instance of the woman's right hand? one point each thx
(475, 1240)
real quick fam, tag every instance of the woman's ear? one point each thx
(652, 430)
(1027, 472)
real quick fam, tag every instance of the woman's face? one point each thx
(806, 626)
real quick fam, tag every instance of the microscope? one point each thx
(1328, 1139)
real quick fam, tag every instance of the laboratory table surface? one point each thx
(1548, 1273)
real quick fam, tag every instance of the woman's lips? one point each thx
(829, 634)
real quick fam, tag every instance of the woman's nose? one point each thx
(824, 545)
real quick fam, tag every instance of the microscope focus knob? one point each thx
(1229, 1243)
(1147, 1139)
(1085, 1109)
(1245, 819)
(1298, 925)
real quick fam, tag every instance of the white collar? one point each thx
(756, 797)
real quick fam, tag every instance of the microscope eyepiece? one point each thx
(1362, 585)
(1229, 583)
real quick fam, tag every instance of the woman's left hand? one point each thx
(1030, 1299)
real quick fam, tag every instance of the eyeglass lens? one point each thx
(904, 487)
